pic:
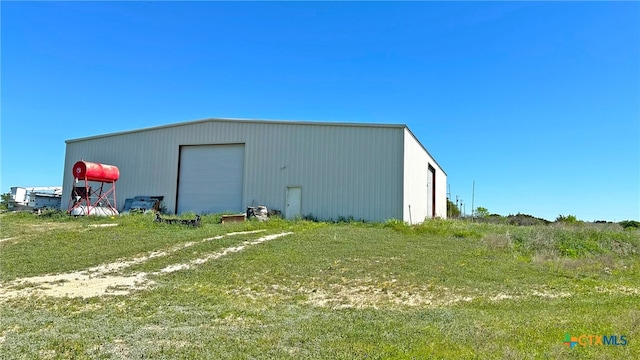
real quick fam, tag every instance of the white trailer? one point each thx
(35, 197)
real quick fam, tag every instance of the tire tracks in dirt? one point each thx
(100, 280)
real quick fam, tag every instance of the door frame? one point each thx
(432, 172)
(286, 202)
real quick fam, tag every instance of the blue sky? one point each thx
(538, 103)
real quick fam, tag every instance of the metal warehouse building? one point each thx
(372, 172)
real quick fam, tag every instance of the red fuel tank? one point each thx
(95, 171)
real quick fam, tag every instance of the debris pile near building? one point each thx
(261, 213)
(143, 204)
(189, 222)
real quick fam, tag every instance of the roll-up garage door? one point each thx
(211, 178)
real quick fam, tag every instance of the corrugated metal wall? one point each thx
(343, 170)
(416, 172)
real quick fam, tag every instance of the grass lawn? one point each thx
(444, 289)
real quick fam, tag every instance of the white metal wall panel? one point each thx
(415, 197)
(211, 178)
(417, 185)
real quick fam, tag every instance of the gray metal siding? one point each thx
(343, 170)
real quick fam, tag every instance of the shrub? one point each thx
(482, 212)
(526, 220)
(452, 209)
(4, 201)
(630, 224)
(518, 220)
(569, 219)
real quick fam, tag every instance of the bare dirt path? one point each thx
(100, 280)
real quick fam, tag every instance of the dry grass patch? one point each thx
(498, 241)
(340, 296)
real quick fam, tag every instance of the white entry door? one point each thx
(294, 200)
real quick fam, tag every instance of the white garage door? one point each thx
(211, 178)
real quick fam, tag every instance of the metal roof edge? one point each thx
(256, 121)
(425, 149)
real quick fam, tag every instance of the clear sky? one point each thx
(538, 103)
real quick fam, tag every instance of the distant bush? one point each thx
(4, 200)
(630, 224)
(569, 219)
(482, 212)
(518, 220)
(526, 220)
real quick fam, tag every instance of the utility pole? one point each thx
(448, 200)
(473, 196)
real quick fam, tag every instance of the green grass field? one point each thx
(445, 289)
